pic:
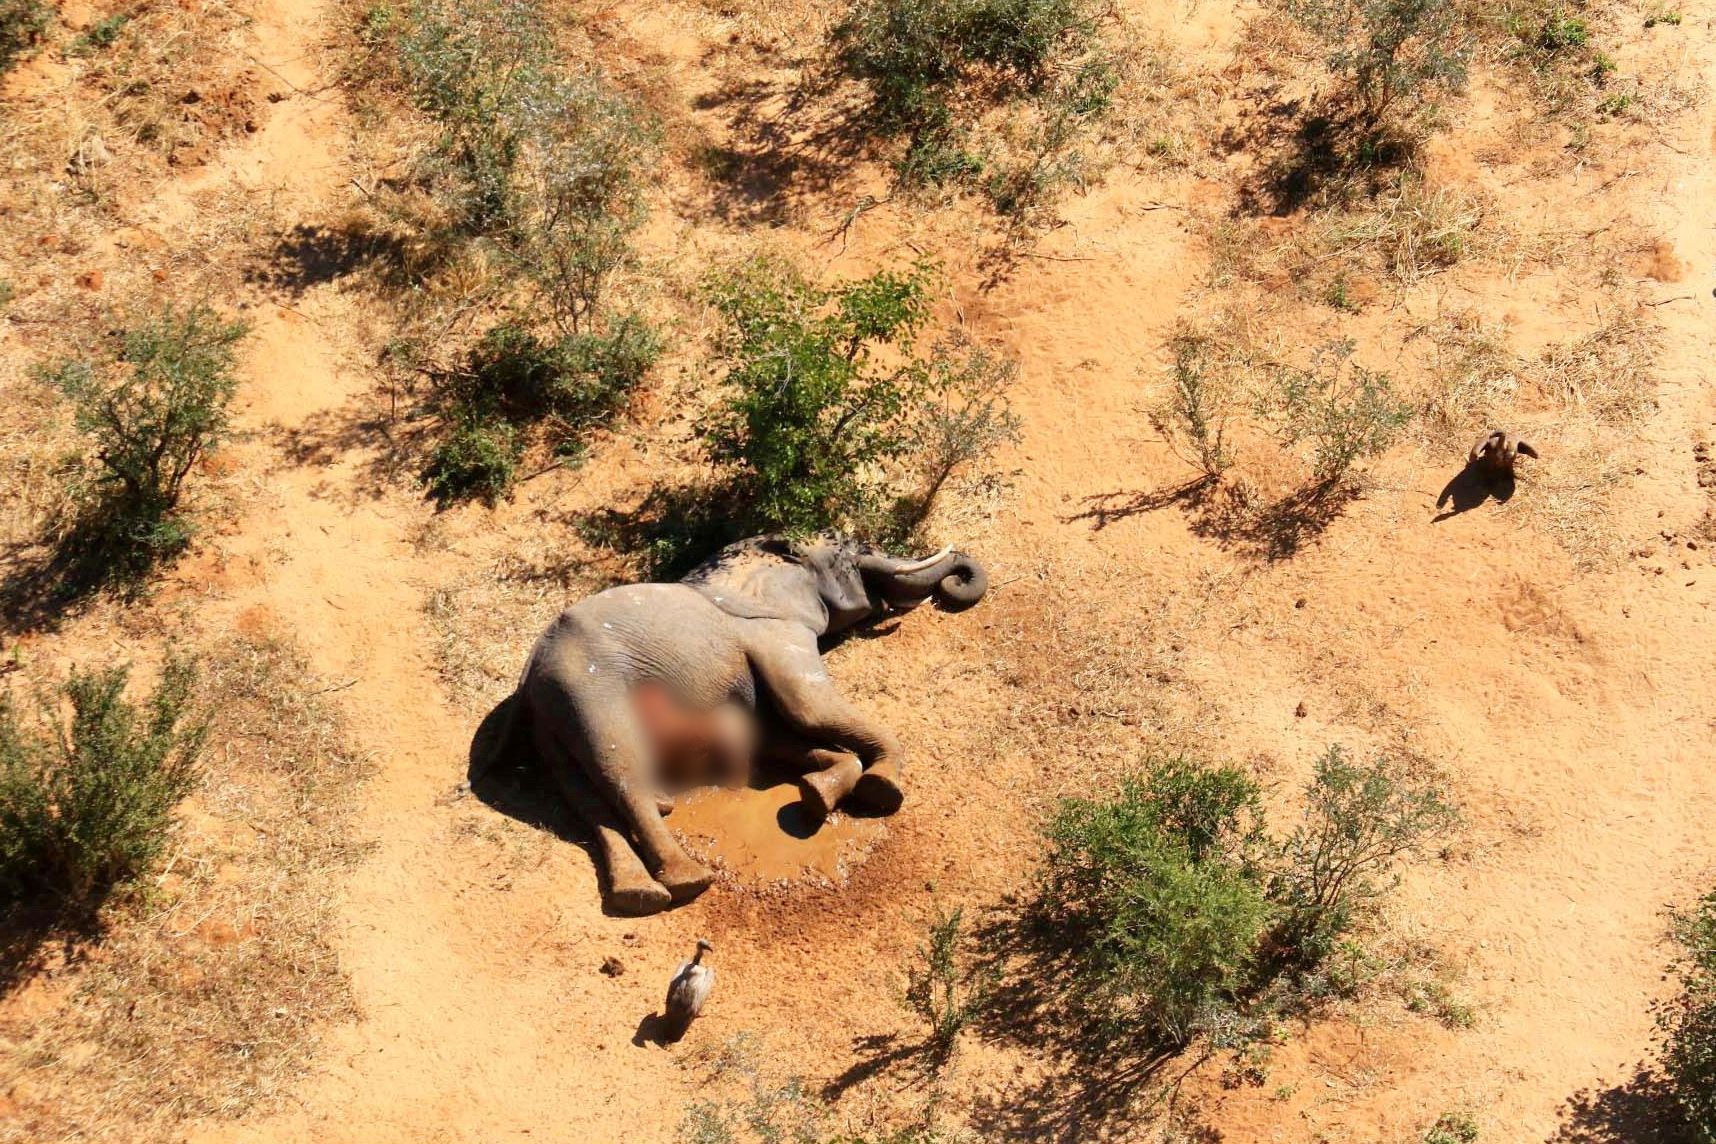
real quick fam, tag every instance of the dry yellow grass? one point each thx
(207, 997)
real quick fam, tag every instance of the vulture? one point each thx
(688, 992)
(1495, 453)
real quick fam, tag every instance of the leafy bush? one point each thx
(86, 803)
(827, 400)
(1687, 1024)
(1194, 416)
(539, 180)
(1159, 896)
(1452, 1128)
(22, 23)
(515, 389)
(1399, 57)
(1180, 913)
(1346, 411)
(151, 411)
(944, 993)
(478, 458)
(932, 65)
(1359, 820)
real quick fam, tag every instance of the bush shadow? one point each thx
(34, 934)
(45, 580)
(311, 255)
(787, 150)
(1096, 1076)
(1277, 530)
(1318, 155)
(1642, 1110)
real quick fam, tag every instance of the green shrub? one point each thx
(1452, 1128)
(931, 66)
(478, 458)
(1159, 896)
(539, 175)
(1358, 821)
(100, 35)
(1398, 57)
(1184, 919)
(86, 803)
(1687, 1023)
(939, 989)
(151, 411)
(830, 410)
(1194, 416)
(1345, 411)
(22, 24)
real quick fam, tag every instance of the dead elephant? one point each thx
(616, 688)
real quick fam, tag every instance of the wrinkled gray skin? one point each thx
(740, 629)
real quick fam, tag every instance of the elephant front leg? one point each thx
(806, 701)
(824, 776)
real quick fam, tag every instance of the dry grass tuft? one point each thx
(1569, 499)
(208, 999)
(1473, 378)
(1609, 372)
(484, 625)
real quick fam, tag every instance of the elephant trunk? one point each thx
(953, 578)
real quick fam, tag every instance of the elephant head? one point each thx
(831, 582)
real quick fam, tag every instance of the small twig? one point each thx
(1676, 298)
(336, 687)
(1057, 257)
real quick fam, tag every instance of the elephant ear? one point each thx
(761, 580)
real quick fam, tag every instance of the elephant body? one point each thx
(647, 688)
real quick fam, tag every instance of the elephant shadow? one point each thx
(517, 787)
(1470, 488)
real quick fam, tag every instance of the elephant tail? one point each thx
(499, 736)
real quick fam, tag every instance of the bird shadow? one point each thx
(1468, 489)
(652, 1030)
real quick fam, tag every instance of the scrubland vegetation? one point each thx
(564, 332)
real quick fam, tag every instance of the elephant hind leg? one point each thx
(630, 889)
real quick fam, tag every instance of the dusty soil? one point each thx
(1556, 653)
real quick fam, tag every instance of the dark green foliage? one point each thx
(941, 989)
(102, 34)
(1359, 819)
(1183, 918)
(1452, 1128)
(151, 411)
(22, 23)
(1345, 411)
(828, 398)
(476, 460)
(933, 65)
(539, 174)
(1159, 896)
(1687, 1023)
(1398, 57)
(86, 802)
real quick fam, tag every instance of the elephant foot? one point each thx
(685, 879)
(821, 791)
(878, 790)
(647, 896)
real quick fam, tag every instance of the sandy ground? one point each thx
(1573, 700)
